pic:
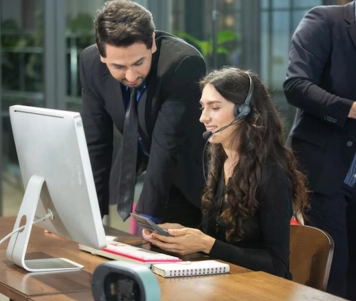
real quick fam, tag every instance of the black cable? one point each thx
(203, 162)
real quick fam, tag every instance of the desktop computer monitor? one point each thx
(58, 181)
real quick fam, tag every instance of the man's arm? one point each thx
(170, 132)
(309, 55)
(98, 128)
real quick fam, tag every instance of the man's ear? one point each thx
(154, 46)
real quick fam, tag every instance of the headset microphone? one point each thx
(208, 134)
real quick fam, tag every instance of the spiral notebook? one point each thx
(187, 268)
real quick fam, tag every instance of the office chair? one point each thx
(311, 253)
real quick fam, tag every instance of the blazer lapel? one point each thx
(350, 19)
(114, 101)
(144, 108)
(352, 33)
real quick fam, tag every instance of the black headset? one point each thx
(242, 110)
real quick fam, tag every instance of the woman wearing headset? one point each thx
(253, 184)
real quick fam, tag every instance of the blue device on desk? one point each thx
(124, 281)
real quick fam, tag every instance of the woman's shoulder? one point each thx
(275, 188)
(272, 172)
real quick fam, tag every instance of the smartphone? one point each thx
(146, 223)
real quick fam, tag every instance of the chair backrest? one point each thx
(311, 253)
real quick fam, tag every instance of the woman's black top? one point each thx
(265, 245)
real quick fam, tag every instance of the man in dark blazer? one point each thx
(166, 70)
(321, 83)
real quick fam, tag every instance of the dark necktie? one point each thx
(128, 159)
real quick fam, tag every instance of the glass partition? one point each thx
(21, 82)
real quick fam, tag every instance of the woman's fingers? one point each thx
(147, 234)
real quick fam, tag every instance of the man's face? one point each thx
(129, 65)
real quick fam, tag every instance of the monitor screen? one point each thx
(57, 177)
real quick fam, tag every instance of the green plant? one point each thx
(206, 46)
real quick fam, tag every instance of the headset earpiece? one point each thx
(242, 110)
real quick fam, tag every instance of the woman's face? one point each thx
(217, 112)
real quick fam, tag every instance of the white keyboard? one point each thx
(121, 251)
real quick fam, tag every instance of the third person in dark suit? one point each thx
(164, 72)
(321, 83)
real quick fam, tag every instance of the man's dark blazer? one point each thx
(321, 83)
(168, 113)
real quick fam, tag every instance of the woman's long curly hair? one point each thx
(260, 140)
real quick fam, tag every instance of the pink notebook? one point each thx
(120, 251)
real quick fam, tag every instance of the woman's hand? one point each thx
(171, 226)
(147, 234)
(183, 241)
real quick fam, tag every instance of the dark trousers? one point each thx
(336, 215)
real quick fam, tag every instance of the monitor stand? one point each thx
(16, 250)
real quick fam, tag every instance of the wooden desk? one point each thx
(241, 283)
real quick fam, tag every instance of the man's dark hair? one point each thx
(122, 23)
